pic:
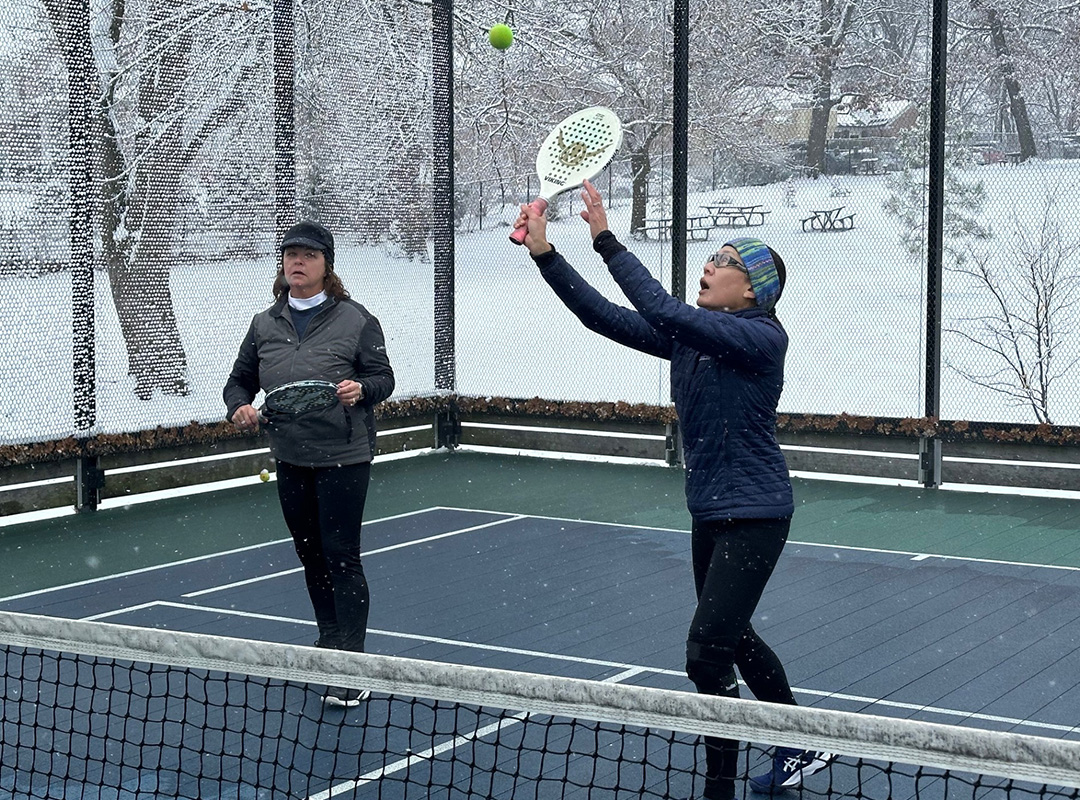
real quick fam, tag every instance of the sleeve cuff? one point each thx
(607, 245)
(544, 259)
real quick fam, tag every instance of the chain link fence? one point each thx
(154, 153)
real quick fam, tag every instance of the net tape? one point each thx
(1013, 756)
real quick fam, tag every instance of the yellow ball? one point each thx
(264, 476)
(500, 36)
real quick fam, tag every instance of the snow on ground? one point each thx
(853, 307)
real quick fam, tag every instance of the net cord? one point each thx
(1009, 755)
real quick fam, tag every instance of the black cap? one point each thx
(310, 234)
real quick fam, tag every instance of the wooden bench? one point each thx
(737, 216)
(696, 228)
(828, 220)
(661, 227)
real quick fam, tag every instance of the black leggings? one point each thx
(323, 509)
(733, 560)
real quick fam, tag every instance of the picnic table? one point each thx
(829, 219)
(742, 216)
(696, 227)
(869, 166)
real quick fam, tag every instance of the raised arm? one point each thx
(594, 310)
(753, 342)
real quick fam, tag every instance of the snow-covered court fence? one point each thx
(154, 152)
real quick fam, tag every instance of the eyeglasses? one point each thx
(721, 259)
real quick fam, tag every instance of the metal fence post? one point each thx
(80, 62)
(680, 127)
(673, 453)
(89, 481)
(442, 110)
(448, 427)
(284, 115)
(930, 446)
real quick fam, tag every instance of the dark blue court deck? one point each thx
(944, 639)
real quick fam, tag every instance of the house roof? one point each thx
(882, 113)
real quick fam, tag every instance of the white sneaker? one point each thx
(336, 696)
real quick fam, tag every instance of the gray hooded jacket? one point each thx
(343, 341)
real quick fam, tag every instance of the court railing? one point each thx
(82, 473)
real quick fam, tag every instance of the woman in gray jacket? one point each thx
(314, 331)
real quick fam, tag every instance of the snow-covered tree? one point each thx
(1021, 341)
(965, 198)
(168, 87)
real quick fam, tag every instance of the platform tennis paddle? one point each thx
(577, 150)
(300, 397)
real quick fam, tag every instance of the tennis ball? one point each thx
(264, 476)
(500, 36)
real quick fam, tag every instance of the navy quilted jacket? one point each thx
(727, 371)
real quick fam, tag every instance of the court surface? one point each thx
(944, 639)
(978, 640)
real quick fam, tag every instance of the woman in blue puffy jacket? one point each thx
(727, 371)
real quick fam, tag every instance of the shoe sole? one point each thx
(341, 702)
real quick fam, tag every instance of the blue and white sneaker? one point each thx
(789, 767)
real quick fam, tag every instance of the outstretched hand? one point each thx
(595, 213)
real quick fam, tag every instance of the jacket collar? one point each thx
(278, 309)
(748, 313)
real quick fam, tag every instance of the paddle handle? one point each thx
(539, 205)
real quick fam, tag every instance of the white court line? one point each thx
(128, 609)
(34, 484)
(247, 581)
(171, 494)
(972, 488)
(452, 744)
(192, 560)
(1054, 494)
(181, 462)
(871, 480)
(415, 758)
(914, 556)
(366, 553)
(232, 612)
(559, 455)
(37, 516)
(625, 670)
(657, 437)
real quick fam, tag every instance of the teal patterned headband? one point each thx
(761, 269)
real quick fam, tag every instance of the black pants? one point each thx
(733, 560)
(324, 509)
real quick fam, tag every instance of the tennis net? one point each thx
(95, 710)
